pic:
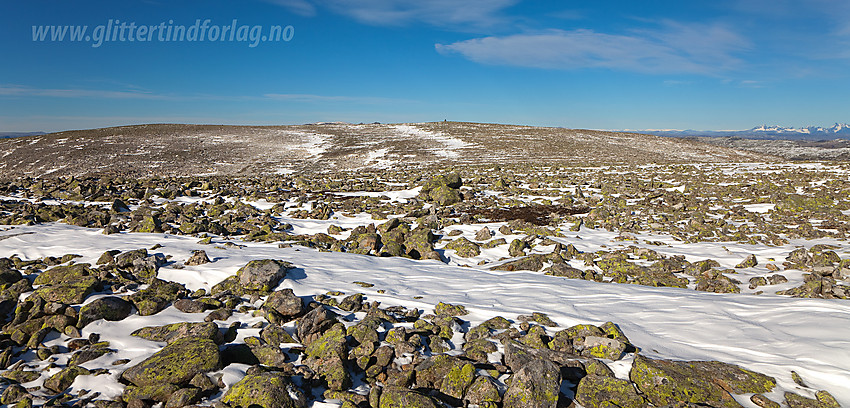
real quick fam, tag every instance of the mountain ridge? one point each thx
(180, 150)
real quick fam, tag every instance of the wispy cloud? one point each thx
(300, 7)
(25, 91)
(308, 98)
(672, 48)
(443, 13)
(18, 90)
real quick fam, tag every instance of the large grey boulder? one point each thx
(263, 274)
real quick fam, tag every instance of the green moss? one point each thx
(331, 343)
(176, 363)
(600, 391)
(458, 380)
(156, 392)
(464, 247)
(267, 390)
(445, 309)
(666, 382)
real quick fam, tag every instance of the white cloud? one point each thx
(25, 91)
(300, 7)
(18, 90)
(443, 13)
(674, 48)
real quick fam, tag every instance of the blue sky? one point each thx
(723, 64)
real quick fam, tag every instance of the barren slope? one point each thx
(168, 149)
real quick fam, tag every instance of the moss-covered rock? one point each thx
(458, 380)
(266, 390)
(177, 331)
(749, 262)
(464, 247)
(156, 297)
(431, 372)
(263, 274)
(603, 347)
(275, 335)
(331, 343)
(666, 382)
(483, 392)
(596, 391)
(156, 392)
(798, 401)
(312, 325)
(109, 308)
(533, 262)
(184, 397)
(536, 384)
(20, 376)
(176, 363)
(73, 292)
(150, 223)
(63, 274)
(446, 309)
(62, 380)
(398, 397)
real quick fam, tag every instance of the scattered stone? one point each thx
(263, 274)
(197, 258)
(749, 262)
(267, 390)
(109, 308)
(177, 363)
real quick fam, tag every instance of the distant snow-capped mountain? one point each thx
(836, 131)
(838, 128)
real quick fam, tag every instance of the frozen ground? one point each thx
(756, 328)
(769, 334)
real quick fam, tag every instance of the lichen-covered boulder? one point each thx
(596, 391)
(62, 380)
(266, 390)
(537, 384)
(109, 308)
(263, 274)
(483, 392)
(62, 274)
(666, 382)
(431, 372)
(156, 392)
(603, 347)
(464, 247)
(529, 263)
(458, 380)
(176, 331)
(72, 293)
(156, 297)
(177, 363)
(69, 284)
(398, 397)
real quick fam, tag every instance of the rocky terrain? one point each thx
(179, 150)
(451, 270)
